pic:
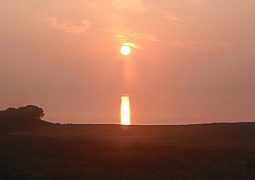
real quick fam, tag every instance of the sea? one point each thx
(151, 109)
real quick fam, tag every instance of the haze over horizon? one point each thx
(191, 61)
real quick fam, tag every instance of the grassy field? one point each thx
(210, 151)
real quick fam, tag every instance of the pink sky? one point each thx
(64, 55)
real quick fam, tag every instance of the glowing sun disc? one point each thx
(125, 50)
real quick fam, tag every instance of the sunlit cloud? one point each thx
(151, 38)
(70, 27)
(174, 18)
(133, 45)
(128, 35)
(132, 5)
(170, 16)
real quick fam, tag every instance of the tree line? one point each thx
(19, 117)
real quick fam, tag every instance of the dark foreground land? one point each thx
(210, 151)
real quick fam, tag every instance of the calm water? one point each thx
(154, 109)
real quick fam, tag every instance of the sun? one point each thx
(125, 50)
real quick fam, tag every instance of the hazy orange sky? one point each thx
(192, 59)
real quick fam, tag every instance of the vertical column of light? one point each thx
(125, 110)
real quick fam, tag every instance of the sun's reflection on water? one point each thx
(125, 114)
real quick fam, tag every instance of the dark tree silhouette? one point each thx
(31, 112)
(29, 115)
